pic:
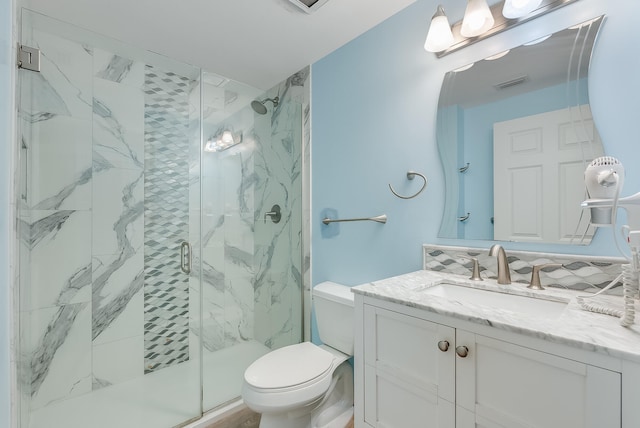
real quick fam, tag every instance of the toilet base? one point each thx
(284, 420)
(333, 410)
(341, 421)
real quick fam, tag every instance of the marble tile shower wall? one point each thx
(279, 170)
(56, 222)
(118, 223)
(227, 247)
(82, 221)
(252, 268)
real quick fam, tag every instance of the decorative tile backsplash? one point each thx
(585, 273)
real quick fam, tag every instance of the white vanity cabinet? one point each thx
(407, 377)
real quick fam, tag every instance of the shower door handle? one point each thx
(25, 168)
(185, 257)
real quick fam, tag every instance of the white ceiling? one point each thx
(258, 42)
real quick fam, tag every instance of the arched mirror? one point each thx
(515, 133)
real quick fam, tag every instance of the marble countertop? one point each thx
(573, 327)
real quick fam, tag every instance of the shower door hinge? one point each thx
(29, 58)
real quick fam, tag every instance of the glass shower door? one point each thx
(252, 231)
(109, 203)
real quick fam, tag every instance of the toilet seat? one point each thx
(289, 367)
(289, 377)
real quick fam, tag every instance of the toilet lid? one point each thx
(289, 366)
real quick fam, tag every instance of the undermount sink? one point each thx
(497, 300)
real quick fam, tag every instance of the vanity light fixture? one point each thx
(439, 36)
(477, 18)
(513, 9)
(481, 21)
(222, 141)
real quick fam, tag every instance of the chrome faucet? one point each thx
(504, 277)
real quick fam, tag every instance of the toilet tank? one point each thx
(334, 305)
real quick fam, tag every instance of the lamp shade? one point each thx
(477, 18)
(518, 8)
(439, 36)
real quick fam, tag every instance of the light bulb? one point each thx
(439, 36)
(227, 137)
(513, 9)
(477, 18)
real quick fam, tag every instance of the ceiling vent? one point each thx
(309, 6)
(512, 82)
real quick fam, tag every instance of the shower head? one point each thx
(258, 106)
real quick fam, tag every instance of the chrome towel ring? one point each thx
(410, 176)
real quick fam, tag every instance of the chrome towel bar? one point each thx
(380, 219)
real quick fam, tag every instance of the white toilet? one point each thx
(307, 385)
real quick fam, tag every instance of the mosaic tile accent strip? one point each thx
(166, 215)
(584, 273)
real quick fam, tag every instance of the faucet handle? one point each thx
(475, 272)
(535, 284)
(475, 268)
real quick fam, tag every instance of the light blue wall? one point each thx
(372, 121)
(374, 110)
(6, 108)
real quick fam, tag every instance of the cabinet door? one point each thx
(409, 381)
(499, 384)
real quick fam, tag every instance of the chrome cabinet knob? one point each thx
(462, 351)
(443, 345)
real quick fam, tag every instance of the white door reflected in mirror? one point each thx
(538, 186)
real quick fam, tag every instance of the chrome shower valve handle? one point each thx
(275, 214)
